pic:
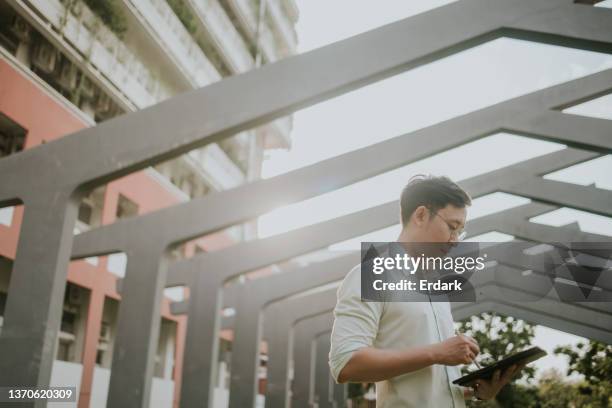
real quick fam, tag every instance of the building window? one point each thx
(104, 352)
(6, 265)
(90, 209)
(69, 318)
(12, 136)
(72, 326)
(164, 358)
(103, 343)
(85, 213)
(2, 306)
(126, 207)
(2, 303)
(177, 252)
(63, 350)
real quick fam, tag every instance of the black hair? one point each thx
(434, 192)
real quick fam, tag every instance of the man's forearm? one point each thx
(370, 364)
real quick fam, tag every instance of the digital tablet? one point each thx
(526, 356)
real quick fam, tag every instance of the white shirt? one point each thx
(395, 325)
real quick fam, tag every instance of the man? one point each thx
(410, 349)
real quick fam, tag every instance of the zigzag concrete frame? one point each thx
(61, 172)
(206, 273)
(255, 254)
(109, 238)
(263, 291)
(196, 370)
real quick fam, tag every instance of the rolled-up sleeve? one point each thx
(355, 322)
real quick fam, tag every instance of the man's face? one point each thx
(444, 225)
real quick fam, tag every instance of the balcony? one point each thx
(165, 27)
(216, 167)
(163, 24)
(246, 12)
(283, 25)
(223, 33)
(84, 32)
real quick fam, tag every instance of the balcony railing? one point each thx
(221, 172)
(248, 15)
(284, 26)
(101, 48)
(177, 41)
(223, 32)
(173, 36)
(85, 32)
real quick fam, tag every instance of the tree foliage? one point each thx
(592, 360)
(498, 336)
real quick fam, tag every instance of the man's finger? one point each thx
(474, 347)
(474, 342)
(519, 368)
(472, 357)
(508, 373)
(496, 375)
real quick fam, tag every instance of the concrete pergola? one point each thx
(306, 356)
(324, 386)
(253, 296)
(60, 173)
(283, 340)
(222, 265)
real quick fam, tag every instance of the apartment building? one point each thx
(69, 64)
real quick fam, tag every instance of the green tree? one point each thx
(497, 337)
(557, 392)
(554, 392)
(594, 362)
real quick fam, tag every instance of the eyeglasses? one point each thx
(458, 233)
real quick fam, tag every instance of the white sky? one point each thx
(490, 73)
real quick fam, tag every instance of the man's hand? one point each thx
(459, 349)
(488, 389)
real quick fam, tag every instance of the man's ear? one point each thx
(420, 215)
